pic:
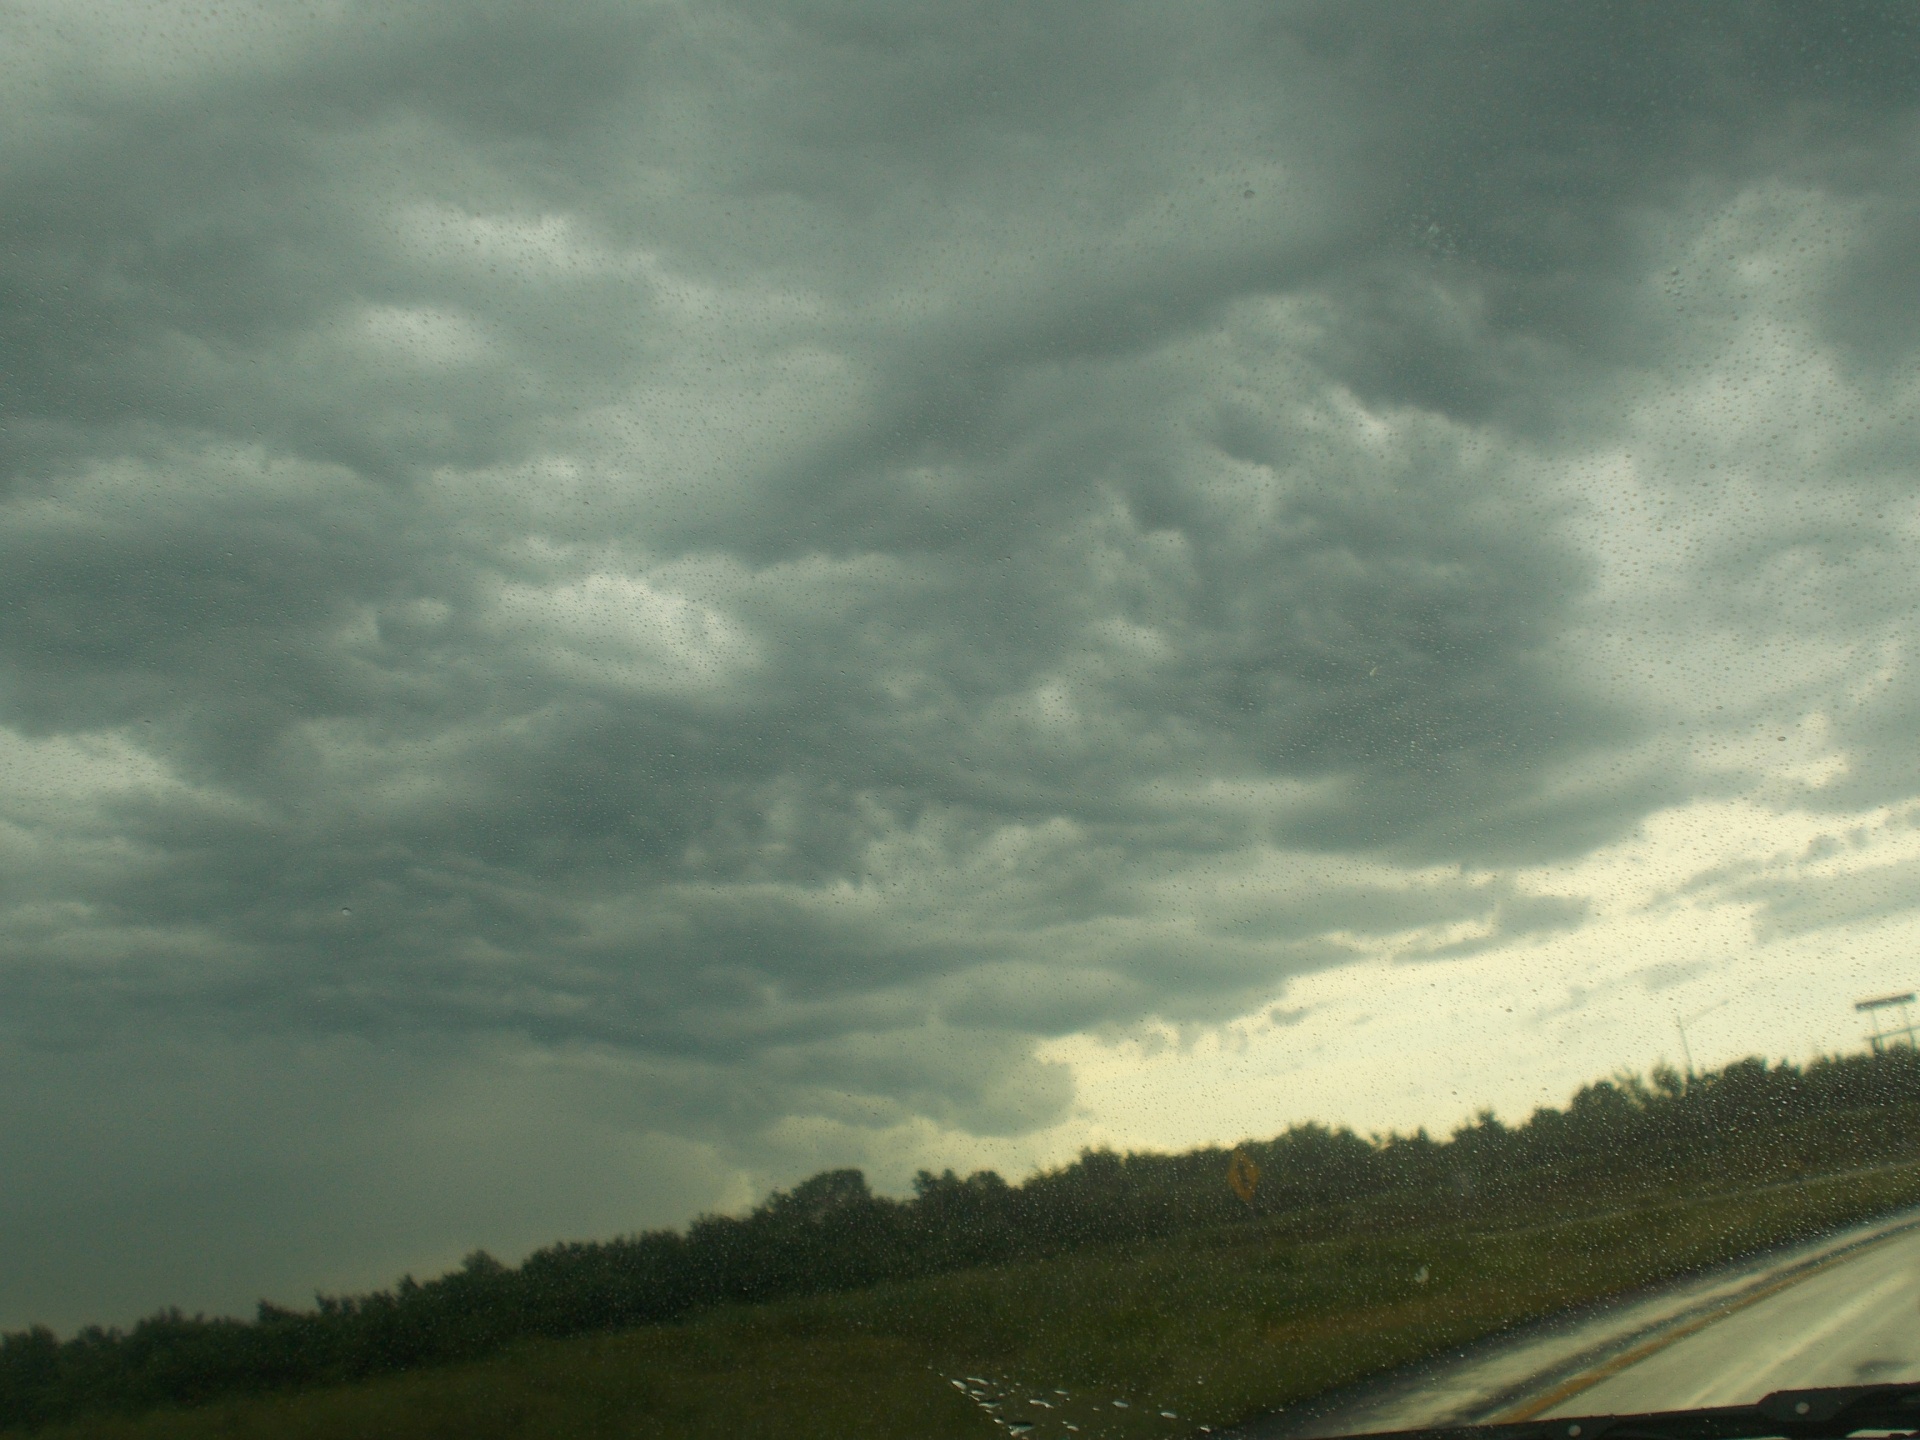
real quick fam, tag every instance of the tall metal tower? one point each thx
(1889, 1033)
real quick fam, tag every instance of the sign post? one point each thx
(1243, 1177)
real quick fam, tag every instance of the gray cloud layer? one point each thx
(796, 551)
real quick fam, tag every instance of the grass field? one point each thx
(1210, 1328)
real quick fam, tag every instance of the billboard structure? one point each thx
(1886, 1031)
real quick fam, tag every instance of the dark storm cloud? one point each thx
(808, 548)
(1795, 905)
(1516, 917)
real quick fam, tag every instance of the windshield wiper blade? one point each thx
(1824, 1414)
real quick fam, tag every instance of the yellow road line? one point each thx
(1587, 1379)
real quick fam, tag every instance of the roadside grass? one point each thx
(1212, 1327)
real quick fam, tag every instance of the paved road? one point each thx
(1853, 1323)
(1842, 1311)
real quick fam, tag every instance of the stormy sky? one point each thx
(603, 606)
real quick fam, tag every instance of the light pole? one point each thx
(1681, 1026)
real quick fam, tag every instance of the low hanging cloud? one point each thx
(786, 557)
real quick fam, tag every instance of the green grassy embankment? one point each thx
(1214, 1326)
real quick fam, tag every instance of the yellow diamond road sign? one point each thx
(1243, 1175)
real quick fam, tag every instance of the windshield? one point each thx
(858, 718)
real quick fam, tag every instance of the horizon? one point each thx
(1376, 1139)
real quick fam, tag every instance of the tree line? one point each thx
(1750, 1120)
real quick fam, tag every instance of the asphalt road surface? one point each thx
(1855, 1322)
(1844, 1310)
